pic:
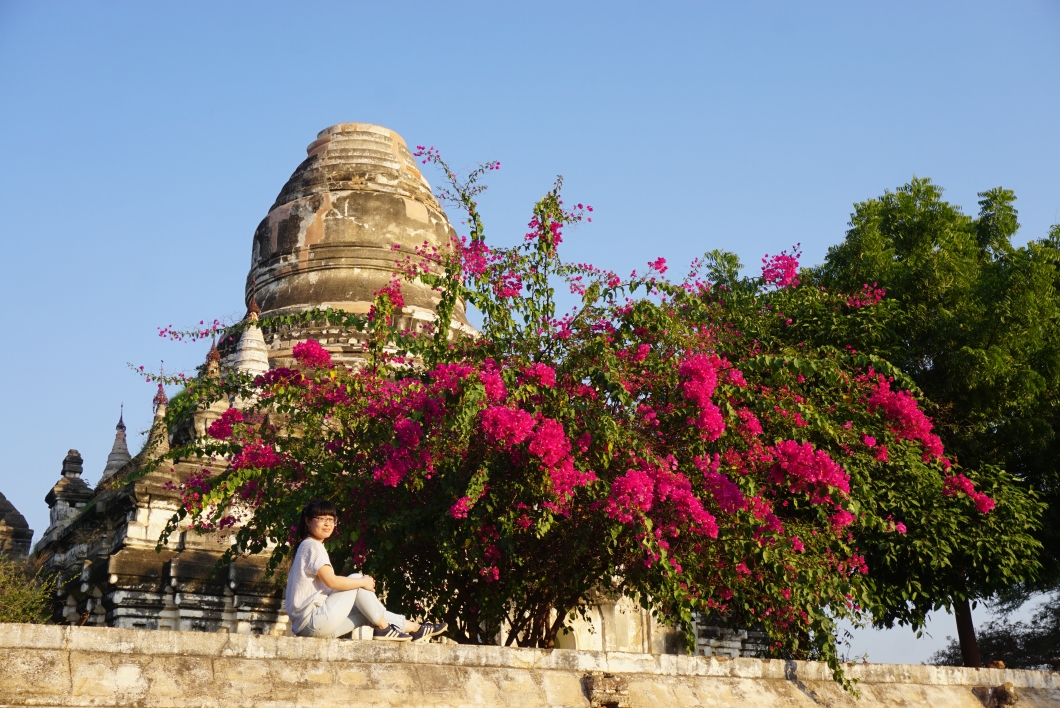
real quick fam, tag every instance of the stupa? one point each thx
(356, 207)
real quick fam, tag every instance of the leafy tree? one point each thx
(975, 323)
(25, 594)
(1020, 645)
(676, 437)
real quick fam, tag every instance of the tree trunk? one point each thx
(966, 634)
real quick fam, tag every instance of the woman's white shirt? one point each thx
(306, 591)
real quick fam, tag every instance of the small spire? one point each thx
(158, 437)
(119, 451)
(213, 361)
(214, 355)
(253, 310)
(160, 399)
(252, 356)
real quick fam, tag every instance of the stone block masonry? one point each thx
(100, 666)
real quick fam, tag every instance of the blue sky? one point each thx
(141, 143)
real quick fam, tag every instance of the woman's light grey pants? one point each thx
(345, 610)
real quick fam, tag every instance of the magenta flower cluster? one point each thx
(808, 471)
(700, 378)
(256, 455)
(221, 429)
(312, 355)
(869, 296)
(959, 484)
(907, 421)
(506, 427)
(542, 374)
(782, 270)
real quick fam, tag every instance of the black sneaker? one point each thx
(428, 630)
(391, 634)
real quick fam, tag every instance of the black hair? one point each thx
(315, 507)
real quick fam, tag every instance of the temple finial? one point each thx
(119, 451)
(213, 361)
(252, 356)
(253, 310)
(160, 400)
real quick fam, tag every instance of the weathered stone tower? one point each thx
(356, 206)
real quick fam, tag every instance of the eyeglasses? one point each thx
(325, 519)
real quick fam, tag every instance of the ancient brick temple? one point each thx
(354, 206)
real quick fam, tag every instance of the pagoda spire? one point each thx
(253, 309)
(160, 400)
(119, 451)
(252, 355)
(158, 437)
(213, 360)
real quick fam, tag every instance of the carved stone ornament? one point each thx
(607, 690)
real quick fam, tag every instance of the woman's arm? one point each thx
(340, 582)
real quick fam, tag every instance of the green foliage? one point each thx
(975, 323)
(25, 594)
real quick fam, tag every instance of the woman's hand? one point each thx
(340, 582)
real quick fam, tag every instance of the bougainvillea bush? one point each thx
(655, 440)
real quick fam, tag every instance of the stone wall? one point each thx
(98, 666)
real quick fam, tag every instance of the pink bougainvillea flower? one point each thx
(842, 518)
(493, 382)
(461, 507)
(257, 455)
(958, 484)
(310, 354)
(781, 270)
(631, 493)
(543, 374)
(905, 416)
(750, 425)
(807, 470)
(550, 442)
(506, 426)
(408, 432)
(700, 378)
(221, 429)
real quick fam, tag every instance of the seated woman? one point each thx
(323, 604)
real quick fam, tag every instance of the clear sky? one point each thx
(141, 143)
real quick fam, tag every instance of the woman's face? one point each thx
(321, 527)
